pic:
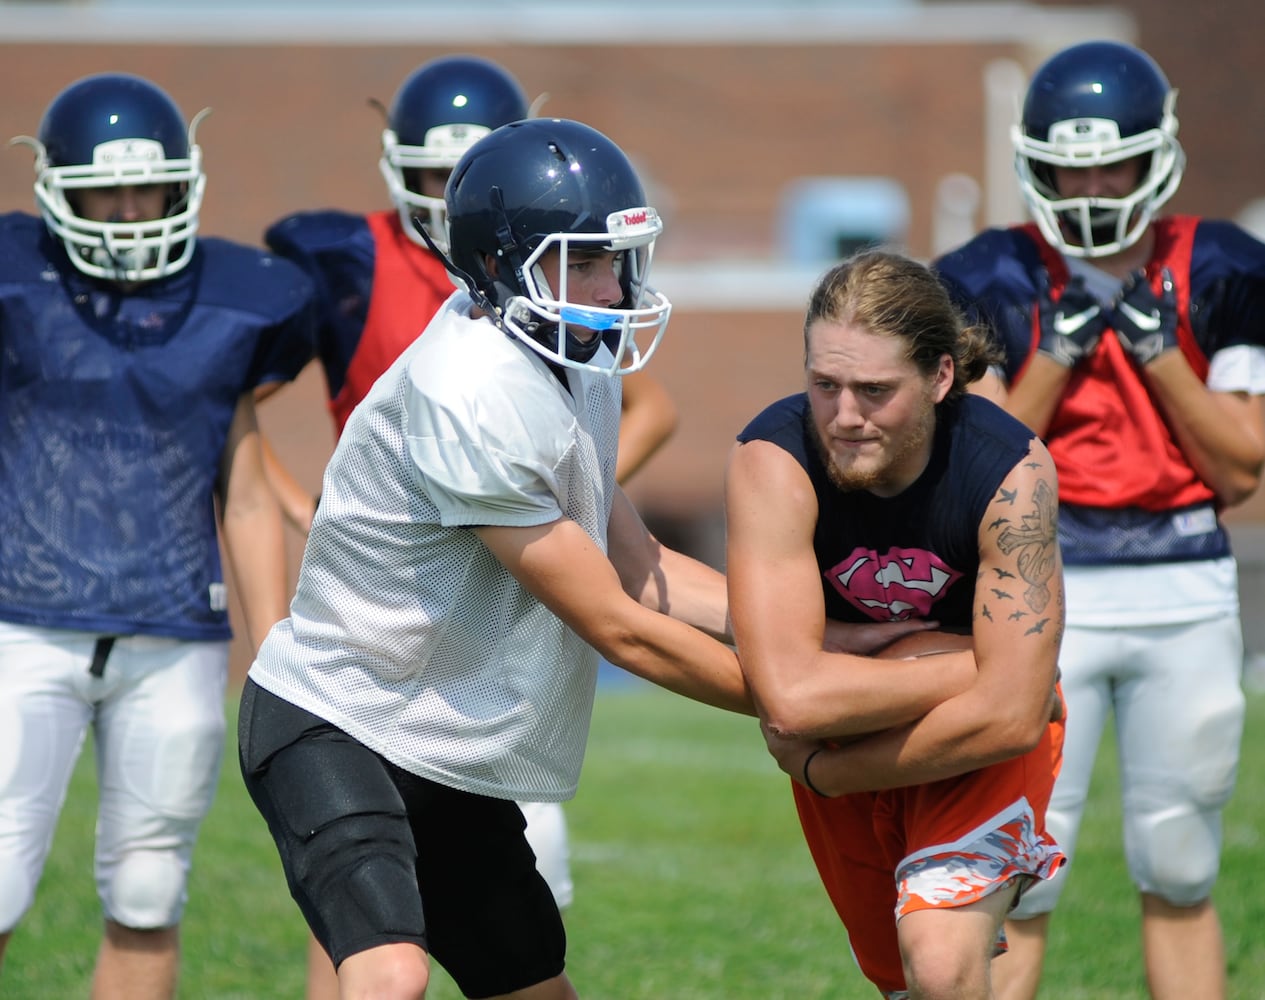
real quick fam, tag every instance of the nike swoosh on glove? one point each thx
(1146, 323)
(1072, 326)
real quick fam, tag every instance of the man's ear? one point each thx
(492, 264)
(944, 377)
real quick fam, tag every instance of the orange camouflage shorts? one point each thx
(944, 844)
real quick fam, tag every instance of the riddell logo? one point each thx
(636, 218)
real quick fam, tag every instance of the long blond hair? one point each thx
(891, 295)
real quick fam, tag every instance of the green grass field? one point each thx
(692, 883)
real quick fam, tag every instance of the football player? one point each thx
(888, 493)
(132, 348)
(470, 558)
(1134, 347)
(379, 284)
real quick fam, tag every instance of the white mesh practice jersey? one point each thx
(405, 631)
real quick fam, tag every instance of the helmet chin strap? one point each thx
(580, 350)
(476, 293)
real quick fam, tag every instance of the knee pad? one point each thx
(145, 890)
(1175, 853)
(367, 906)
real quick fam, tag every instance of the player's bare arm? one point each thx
(1034, 397)
(663, 579)
(1222, 434)
(779, 618)
(647, 420)
(1018, 625)
(561, 566)
(298, 506)
(691, 591)
(253, 534)
(1019, 603)
(868, 638)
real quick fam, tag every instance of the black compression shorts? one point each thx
(376, 855)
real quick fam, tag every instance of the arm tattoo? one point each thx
(1034, 540)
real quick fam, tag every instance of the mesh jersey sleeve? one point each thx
(488, 453)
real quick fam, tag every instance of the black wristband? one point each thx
(809, 781)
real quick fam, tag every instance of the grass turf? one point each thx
(692, 882)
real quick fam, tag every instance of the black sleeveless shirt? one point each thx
(914, 555)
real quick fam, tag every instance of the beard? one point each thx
(881, 473)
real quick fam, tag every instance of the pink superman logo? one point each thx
(904, 583)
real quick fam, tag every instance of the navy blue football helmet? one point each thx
(112, 130)
(544, 184)
(439, 112)
(1092, 104)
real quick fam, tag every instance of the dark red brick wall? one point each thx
(718, 131)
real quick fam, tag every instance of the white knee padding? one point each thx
(145, 890)
(1175, 854)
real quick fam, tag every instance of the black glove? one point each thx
(1072, 326)
(1146, 323)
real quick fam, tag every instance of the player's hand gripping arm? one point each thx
(1222, 434)
(253, 533)
(778, 612)
(560, 565)
(1017, 629)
